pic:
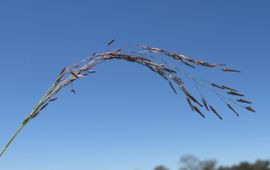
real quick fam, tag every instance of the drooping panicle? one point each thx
(154, 59)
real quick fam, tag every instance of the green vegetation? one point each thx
(190, 162)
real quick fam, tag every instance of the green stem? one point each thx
(14, 136)
(33, 113)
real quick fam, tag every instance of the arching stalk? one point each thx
(147, 57)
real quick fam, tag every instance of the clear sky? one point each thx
(125, 117)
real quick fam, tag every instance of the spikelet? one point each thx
(232, 109)
(53, 99)
(250, 109)
(110, 42)
(244, 101)
(72, 91)
(172, 87)
(214, 111)
(234, 93)
(230, 70)
(198, 111)
(205, 104)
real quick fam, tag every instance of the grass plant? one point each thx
(168, 65)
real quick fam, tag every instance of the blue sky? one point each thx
(124, 116)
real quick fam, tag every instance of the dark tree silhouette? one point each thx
(190, 162)
(161, 167)
(258, 165)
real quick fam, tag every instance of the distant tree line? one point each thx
(190, 162)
